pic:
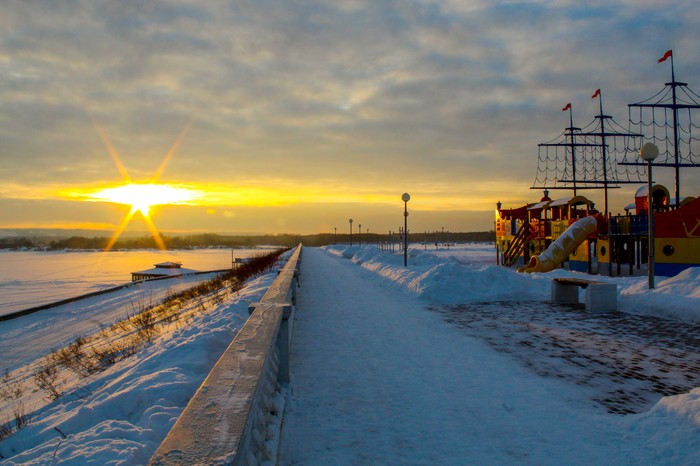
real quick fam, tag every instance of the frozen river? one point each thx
(33, 278)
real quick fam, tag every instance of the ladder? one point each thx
(517, 246)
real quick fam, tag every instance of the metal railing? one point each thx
(517, 246)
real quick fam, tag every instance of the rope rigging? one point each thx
(666, 120)
(587, 158)
(604, 154)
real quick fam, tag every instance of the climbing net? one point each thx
(654, 118)
(587, 158)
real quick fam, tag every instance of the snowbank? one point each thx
(414, 389)
(451, 276)
(122, 416)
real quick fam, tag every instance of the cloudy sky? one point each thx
(296, 115)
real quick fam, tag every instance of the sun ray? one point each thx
(172, 151)
(120, 230)
(111, 150)
(154, 231)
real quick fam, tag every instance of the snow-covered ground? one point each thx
(468, 273)
(27, 338)
(121, 415)
(379, 379)
(410, 388)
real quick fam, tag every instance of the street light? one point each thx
(359, 234)
(405, 198)
(649, 152)
(350, 231)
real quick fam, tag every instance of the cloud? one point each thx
(406, 94)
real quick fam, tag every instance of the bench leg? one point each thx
(601, 297)
(564, 294)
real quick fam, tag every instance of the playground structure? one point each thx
(561, 248)
(542, 236)
(569, 231)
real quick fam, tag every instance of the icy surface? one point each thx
(33, 278)
(26, 338)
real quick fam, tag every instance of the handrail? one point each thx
(511, 254)
(223, 422)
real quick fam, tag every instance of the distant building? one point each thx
(164, 269)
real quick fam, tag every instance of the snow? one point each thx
(377, 378)
(121, 415)
(469, 274)
(25, 339)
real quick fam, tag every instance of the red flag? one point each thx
(669, 53)
(597, 93)
(568, 106)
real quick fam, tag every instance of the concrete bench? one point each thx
(600, 296)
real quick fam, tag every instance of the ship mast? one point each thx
(602, 134)
(571, 135)
(571, 129)
(674, 105)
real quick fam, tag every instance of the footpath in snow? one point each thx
(378, 378)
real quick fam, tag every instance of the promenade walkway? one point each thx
(377, 378)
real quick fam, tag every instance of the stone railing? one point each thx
(226, 420)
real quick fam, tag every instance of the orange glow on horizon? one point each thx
(277, 193)
(141, 196)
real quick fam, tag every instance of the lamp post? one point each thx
(359, 233)
(405, 198)
(649, 152)
(350, 231)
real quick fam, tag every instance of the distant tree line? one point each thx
(234, 241)
(16, 243)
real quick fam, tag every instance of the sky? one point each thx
(295, 116)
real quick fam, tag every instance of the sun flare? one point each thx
(141, 196)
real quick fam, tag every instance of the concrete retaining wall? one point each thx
(227, 419)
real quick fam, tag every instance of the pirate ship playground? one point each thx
(572, 232)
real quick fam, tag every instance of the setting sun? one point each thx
(142, 196)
